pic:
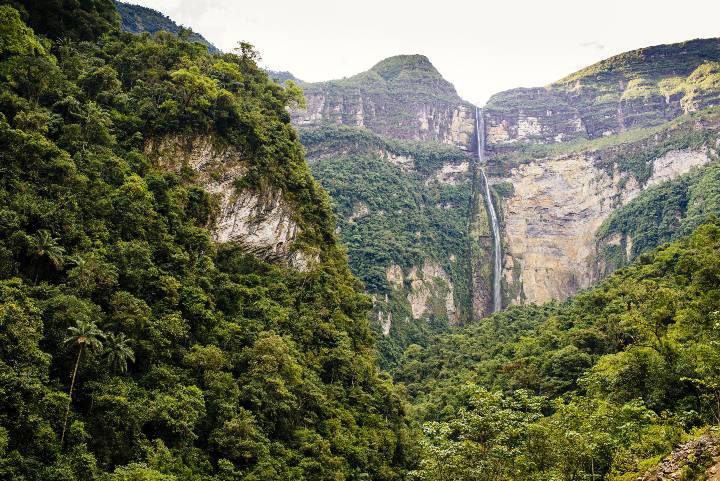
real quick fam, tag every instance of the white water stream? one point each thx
(497, 248)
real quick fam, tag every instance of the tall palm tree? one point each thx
(118, 351)
(44, 245)
(85, 335)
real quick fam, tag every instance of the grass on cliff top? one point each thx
(653, 63)
(400, 75)
(427, 155)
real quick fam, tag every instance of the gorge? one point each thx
(210, 273)
(559, 161)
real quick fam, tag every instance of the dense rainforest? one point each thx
(132, 346)
(599, 387)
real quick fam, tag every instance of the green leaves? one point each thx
(134, 347)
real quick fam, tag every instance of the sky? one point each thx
(481, 47)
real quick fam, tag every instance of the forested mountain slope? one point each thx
(137, 19)
(154, 326)
(603, 385)
(560, 159)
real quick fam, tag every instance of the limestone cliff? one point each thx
(402, 97)
(642, 88)
(573, 152)
(261, 220)
(559, 202)
(697, 458)
(561, 159)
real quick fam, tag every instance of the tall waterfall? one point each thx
(497, 248)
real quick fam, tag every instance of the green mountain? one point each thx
(401, 97)
(173, 302)
(560, 160)
(588, 176)
(138, 19)
(601, 386)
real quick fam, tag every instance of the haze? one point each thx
(481, 47)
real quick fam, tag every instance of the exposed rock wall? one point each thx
(260, 220)
(642, 88)
(425, 118)
(697, 458)
(402, 97)
(557, 206)
(427, 288)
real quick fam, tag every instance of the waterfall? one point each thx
(497, 248)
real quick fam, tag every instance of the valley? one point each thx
(213, 271)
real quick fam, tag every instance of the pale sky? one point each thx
(481, 47)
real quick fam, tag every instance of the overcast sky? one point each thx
(482, 47)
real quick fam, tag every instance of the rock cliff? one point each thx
(556, 208)
(697, 458)
(561, 159)
(642, 88)
(261, 220)
(575, 151)
(402, 97)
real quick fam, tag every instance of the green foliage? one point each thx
(75, 20)
(397, 215)
(600, 386)
(138, 19)
(660, 214)
(186, 359)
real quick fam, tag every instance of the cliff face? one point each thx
(573, 152)
(402, 210)
(556, 208)
(402, 97)
(263, 221)
(561, 160)
(642, 88)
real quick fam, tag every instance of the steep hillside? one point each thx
(642, 88)
(137, 19)
(402, 97)
(554, 180)
(571, 153)
(402, 209)
(602, 386)
(173, 303)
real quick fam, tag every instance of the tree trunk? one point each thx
(72, 385)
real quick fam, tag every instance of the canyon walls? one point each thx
(559, 160)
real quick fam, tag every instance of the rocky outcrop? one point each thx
(697, 458)
(675, 163)
(642, 88)
(536, 115)
(451, 174)
(262, 221)
(405, 162)
(402, 97)
(429, 290)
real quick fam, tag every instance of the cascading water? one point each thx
(497, 252)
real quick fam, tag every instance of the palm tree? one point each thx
(44, 245)
(86, 335)
(118, 351)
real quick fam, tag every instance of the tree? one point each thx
(84, 334)
(118, 351)
(45, 246)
